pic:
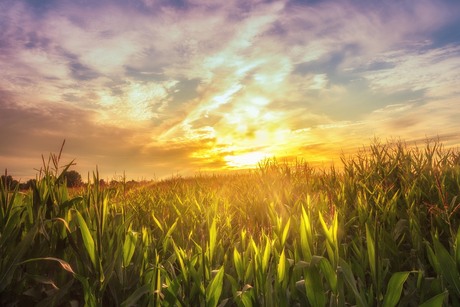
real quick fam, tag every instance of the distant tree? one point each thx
(73, 179)
(27, 185)
(9, 182)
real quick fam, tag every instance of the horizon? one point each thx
(155, 89)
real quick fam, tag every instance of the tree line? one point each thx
(71, 178)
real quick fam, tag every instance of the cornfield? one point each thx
(380, 230)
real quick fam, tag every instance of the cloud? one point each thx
(435, 70)
(142, 83)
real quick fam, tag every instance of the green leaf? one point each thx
(285, 231)
(238, 264)
(87, 239)
(351, 282)
(157, 222)
(371, 252)
(394, 289)
(266, 256)
(21, 249)
(135, 296)
(447, 266)
(282, 267)
(212, 240)
(457, 248)
(327, 232)
(329, 273)
(436, 301)
(314, 287)
(305, 235)
(129, 247)
(214, 289)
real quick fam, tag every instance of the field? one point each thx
(382, 229)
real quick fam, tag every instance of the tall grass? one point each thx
(382, 230)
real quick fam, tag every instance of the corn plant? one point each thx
(380, 230)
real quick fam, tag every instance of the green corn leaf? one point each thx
(246, 299)
(180, 257)
(285, 231)
(350, 280)
(157, 222)
(87, 239)
(282, 267)
(167, 239)
(129, 247)
(436, 301)
(266, 256)
(105, 205)
(457, 248)
(327, 232)
(432, 259)
(329, 273)
(371, 251)
(21, 249)
(314, 287)
(305, 235)
(447, 266)
(245, 296)
(238, 264)
(135, 296)
(212, 240)
(10, 228)
(158, 285)
(214, 289)
(172, 228)
(394, 289)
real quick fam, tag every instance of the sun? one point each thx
(246, 160)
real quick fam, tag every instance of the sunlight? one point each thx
(246, 160)
(252, 111)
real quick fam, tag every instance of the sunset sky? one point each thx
(158, 88)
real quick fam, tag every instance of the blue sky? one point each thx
(156, 88)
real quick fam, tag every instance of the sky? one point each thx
(156, 88)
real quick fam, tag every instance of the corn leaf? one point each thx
(64, 264)
(214, 289)
(135, 296)
(212, 240)
(285, 231)
(87, 239)
(351, 282)
(394, 289)
(371, 251)
(238, 264)
(447, 266)
(457, 248)
(305, 235)
(329, 273)
(266, 256)
(129, 247)
(436, 301)
(314, 287)
(282, 267)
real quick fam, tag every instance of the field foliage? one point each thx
(381, 229)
